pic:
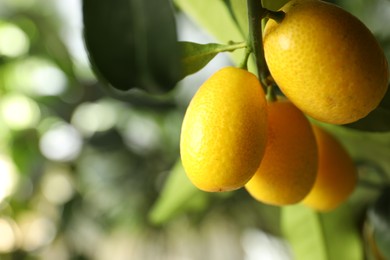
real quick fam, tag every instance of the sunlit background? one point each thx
(80, 169)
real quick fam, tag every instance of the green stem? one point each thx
(244, 63)
(255, 14)
(270, 94)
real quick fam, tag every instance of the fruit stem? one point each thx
(244, 63)
(271, 96)
(256, 13)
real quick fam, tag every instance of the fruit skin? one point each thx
(337, 174)
(289, 166)
(326, 61)
(223, 133)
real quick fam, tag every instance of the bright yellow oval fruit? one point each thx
(223, 133)
(289, 166)
(326, 61)
(337, 174)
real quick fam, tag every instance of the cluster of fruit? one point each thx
(329, 67)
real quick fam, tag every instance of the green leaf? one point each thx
(378, 120)
(196, 56)
(370, 148)
(273, 5)
(177, 196)
(385, 103)
(133, 43)
(239, 13)
(214, 16)
(379, 218)
(321, 236)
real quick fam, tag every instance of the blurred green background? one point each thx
(82, 170)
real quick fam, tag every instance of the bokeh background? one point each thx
(81, 169)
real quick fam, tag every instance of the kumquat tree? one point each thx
(194, 129)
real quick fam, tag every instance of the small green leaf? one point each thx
(321, 236)
(196, 56)
(215, 17)
(133, 44)
(177, 196)
(379, 218)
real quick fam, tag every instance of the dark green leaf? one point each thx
(379, 218)
(133, 44)
(196, 56)
(377, 121)
(385, 103)
(321, 236)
